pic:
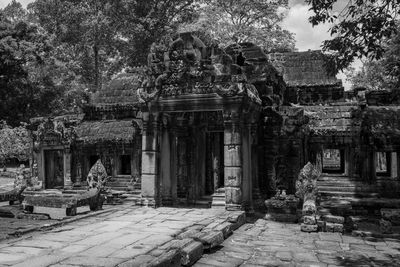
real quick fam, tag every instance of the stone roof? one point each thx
(122, 90)
(107, 130)
(303, 68)
(333, 120)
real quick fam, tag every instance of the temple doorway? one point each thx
(214, 162)
(54, 168)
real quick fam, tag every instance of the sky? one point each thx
(307, 37)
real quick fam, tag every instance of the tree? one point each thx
(15, 12)
(359, 30)
(14, 143)
(26, 90)
(104, 36)
(236, 21)
(82, 28)
(383, 73)
(147, 21)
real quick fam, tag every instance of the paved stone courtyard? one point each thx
(129, 236)
(132, 236)
(267, 243)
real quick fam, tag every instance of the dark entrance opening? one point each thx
(54, 168)
(333, 161)
(215, 162)
(125, 165)
(92, 160)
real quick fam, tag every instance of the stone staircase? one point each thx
(341, 196)
(204, 202)
(218, 198)
(124, 183)
(343, 187)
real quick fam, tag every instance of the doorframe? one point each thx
(42, 177)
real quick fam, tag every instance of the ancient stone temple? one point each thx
(201, 111)
(226, 127)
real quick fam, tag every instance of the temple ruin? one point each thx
(213, 127)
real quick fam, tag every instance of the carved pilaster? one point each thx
(150, 159)
(233, 160)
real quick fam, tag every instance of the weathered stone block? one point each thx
(148, 185)
(233, 195)
(309, 228)
(334, 227)
(309, 219)
(321, 225)
(385, 226)
(279, 217)
(225, 228)
(392, 215)
(53, 213)
(149, 142)
(333, 219)
(170, 258)
(232, 137)
(211, 239)
(232, 155)
(149, 162)
(237, 219)
(233, 176)
(191, 253)
(188, 234)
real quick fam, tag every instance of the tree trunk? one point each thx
(96, 67)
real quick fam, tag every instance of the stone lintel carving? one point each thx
(53, 132)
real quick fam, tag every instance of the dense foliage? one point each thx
(383, 73)
(14, 143)
(360, 29)
(55, 53)
(237, 21)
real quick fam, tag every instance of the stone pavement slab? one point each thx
(268, 243)
(129, 236)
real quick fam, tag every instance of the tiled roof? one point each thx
(112, 130)
(303, 68)
(120, 90)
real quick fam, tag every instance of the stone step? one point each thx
(344, 189)
(339, 178)
(335, 182)
(203, 203)
(346, 194)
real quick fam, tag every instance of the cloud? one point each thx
(307, 36)
(4, 3)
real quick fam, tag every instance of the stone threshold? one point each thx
(191, 243)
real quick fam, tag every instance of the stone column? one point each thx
(150, 155)
(347, 161)
(40, 167)
(67, 168)
(246, 166)
(393, 165)
(232, 160)
(165, 172)
(257, 199)
(173, 152)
